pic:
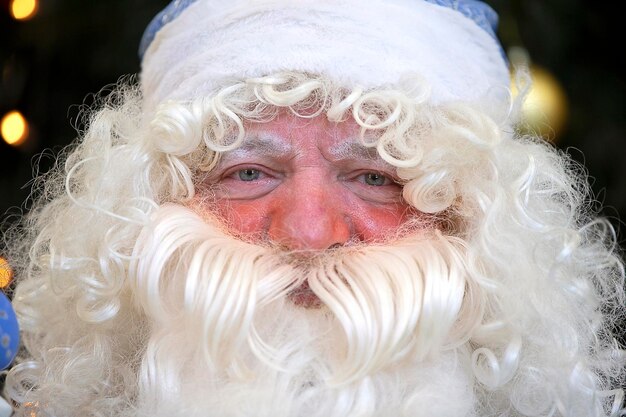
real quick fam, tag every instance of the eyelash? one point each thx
(236, 173)
(253, 181)
(255, 172)
(378, 175)
(374, 176)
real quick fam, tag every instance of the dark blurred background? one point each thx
(50, 62)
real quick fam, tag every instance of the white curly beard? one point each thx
(230, 336)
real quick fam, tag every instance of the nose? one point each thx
(311, 220)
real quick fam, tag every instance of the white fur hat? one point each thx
(195, 47)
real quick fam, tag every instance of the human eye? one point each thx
(247, 174)
(375, 186)
(244, 182)
(375, 179)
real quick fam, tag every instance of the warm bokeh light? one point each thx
(545, 109)
(23, 9)
(6, 273)
(14, 128)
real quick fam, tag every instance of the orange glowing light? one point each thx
(545, 110)
(6, 273)
(14, 128)
(23, 9)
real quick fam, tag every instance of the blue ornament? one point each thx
(9, 332)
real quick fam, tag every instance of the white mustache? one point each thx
(391, 300)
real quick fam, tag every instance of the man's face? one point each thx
(307, 184)
(292, 298)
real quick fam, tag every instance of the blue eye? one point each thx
(376, 179)
(248, 174)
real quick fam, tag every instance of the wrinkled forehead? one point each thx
(288, 134)
(294, 127)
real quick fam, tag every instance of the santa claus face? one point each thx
(308, 184)
(302, 214)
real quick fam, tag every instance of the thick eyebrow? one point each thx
(356, 151)
(353, 150)
(261, 143)
(274, 146)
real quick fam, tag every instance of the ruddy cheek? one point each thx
(379, 223)
(243, 218)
